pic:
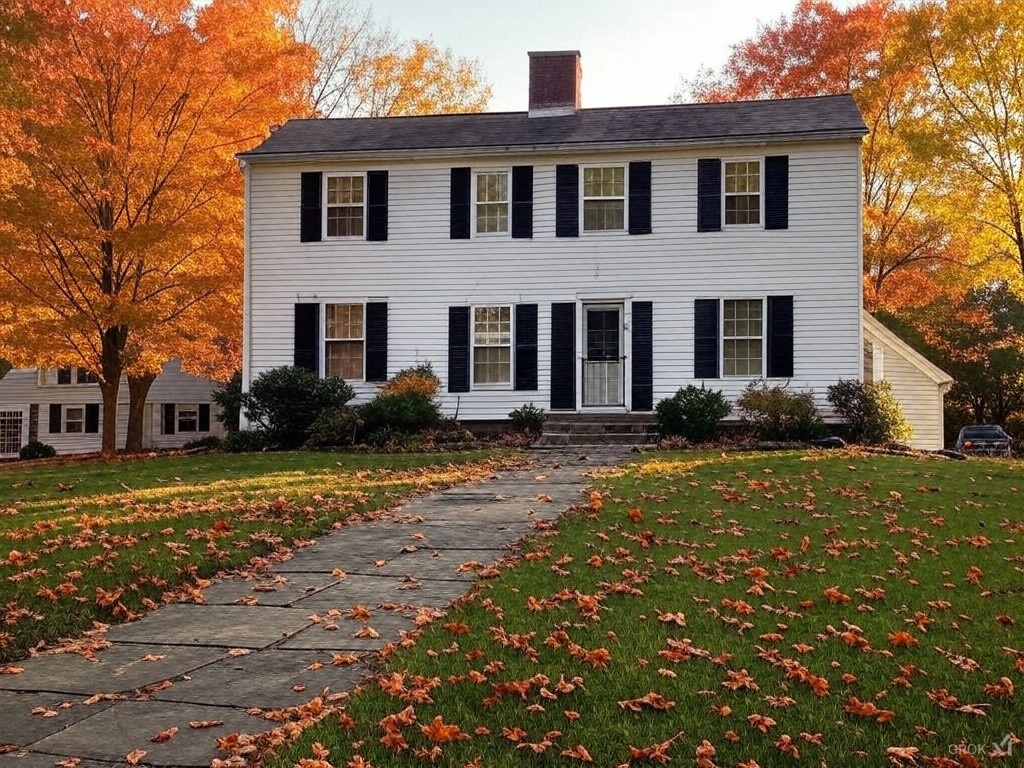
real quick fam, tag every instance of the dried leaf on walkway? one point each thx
(164, 736)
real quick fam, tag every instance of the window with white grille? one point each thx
(10, 432)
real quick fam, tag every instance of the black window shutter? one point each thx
(92, 417)
(377, 341)
(563, 355)
(167, 424)
(776, 192)
(780, 337)
(204, 417)
(311, 214)
(640, 198)
(377, 205)
(458, 349)
(705, 339)
(55, 412)
(460, 204)
(307, 337)
(709, 195)
(643, 356)
(567, 202)
(526, 347)
(522, 201)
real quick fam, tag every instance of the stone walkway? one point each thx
(256, 641)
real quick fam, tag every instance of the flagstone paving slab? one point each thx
(277, 589)
(439, 532)
(321, 637)
(230, 626)
(372, 591)
(20, 727)
(121, 668)
(274, 679)
(129, 725)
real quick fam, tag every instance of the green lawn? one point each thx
(850, 609)
(86, 541)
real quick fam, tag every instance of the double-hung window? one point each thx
(743, 337)
(344, 341)
(188, 418)
(75, 375)
(346, 208)
(74, 419)
(492, 345)
(604, 198)
(742, 181)
(491, 202)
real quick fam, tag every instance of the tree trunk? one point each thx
(138, 391)
(114, 340)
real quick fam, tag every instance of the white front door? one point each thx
(603, 355)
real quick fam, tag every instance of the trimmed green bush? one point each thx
(334, 428)
(36, 450)
(778, 414)
(229, 398)
(873, 413)
(528, 418)
(285, 401)
(245, 441)
(693, 413)
(406, 413)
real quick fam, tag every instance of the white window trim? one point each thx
(502, 386)
(625, 200)
(760, 192)
(323, 213)
(178, 408)
(23, 417)
(64, 420)
(74, 378)
(764, 337)
(324, 339)
(507, 234)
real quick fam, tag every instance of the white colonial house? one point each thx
(62, 407)
(585, 260)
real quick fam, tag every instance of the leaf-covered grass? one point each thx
(850, 609)
(102, 540)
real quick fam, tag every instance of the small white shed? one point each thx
(918, 384)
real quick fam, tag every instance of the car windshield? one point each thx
(982, 433)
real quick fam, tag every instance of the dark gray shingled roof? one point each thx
(815, 117)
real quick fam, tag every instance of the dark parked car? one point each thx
(984, 439)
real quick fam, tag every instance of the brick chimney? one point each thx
(554, 83)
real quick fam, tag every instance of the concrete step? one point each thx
(607, 438)
(595, 429)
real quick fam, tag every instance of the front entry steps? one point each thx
(581, 429)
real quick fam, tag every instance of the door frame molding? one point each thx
(625, 303)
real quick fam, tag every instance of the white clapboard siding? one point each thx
(21, 388)
(420, 272)
(918, 384)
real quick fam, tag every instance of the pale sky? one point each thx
(633, 51)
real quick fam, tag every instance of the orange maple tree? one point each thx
(913, 223)
(121, 245)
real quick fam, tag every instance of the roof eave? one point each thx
(570, 147)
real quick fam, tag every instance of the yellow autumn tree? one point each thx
(121, 247)
(363, 69)
(974, 56)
